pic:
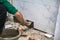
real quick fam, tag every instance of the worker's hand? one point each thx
(20, 18)
(25, 22)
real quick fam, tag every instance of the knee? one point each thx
(3, 11)
(2, 8)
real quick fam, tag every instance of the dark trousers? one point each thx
(3, 15)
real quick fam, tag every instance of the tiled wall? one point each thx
(42, 12)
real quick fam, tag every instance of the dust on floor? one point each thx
(38, 35)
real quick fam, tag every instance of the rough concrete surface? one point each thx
(34, 34)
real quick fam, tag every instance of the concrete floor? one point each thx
(38, 35)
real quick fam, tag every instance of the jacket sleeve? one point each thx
(10, 8)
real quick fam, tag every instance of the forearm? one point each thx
(20, 18)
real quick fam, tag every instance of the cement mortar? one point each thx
(9, 34)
